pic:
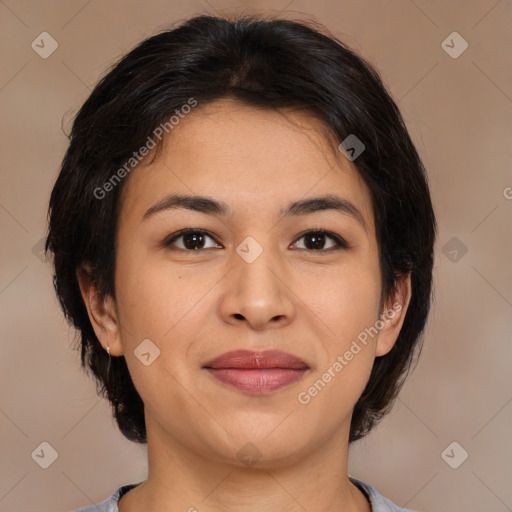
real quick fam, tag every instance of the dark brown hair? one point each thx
(269, 63)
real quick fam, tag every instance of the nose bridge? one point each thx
(256, 290)
(259, 276)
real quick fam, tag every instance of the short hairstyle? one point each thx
(267, 63)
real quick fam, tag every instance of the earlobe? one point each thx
(101, 311)
(393, 315)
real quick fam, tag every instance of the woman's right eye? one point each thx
(192, 240)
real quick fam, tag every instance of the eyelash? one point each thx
(340, 242)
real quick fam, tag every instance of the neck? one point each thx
(184, 478)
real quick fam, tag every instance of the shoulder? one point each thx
(110, 504)
(379, 503)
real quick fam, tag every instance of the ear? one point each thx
(393, 315)
(102, 312)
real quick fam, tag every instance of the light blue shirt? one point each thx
(378, 502)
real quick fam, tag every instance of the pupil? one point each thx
(318, 239)
(195, 238)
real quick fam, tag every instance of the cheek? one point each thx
(346, 304)
(348, 309)
(153, 295)
(166, 304)
(345, 301)
(162, 304)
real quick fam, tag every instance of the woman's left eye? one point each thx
(318, 238)
(194, 239)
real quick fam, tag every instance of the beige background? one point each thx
(459, 112)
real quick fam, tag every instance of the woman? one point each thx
(243, 237)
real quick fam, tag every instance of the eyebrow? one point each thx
(211, 206)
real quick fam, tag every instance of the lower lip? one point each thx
(257, 381)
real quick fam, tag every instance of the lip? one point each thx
(257, 372)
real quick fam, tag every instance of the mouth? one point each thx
(257, 372)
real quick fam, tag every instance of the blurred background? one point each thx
(446, 445)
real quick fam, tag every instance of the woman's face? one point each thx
(251, 278)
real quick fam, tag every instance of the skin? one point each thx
(199, 304)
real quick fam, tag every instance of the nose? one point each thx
(257, 294)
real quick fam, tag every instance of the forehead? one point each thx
(234, 130)
(248, 157)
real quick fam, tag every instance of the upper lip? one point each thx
(247, 359)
